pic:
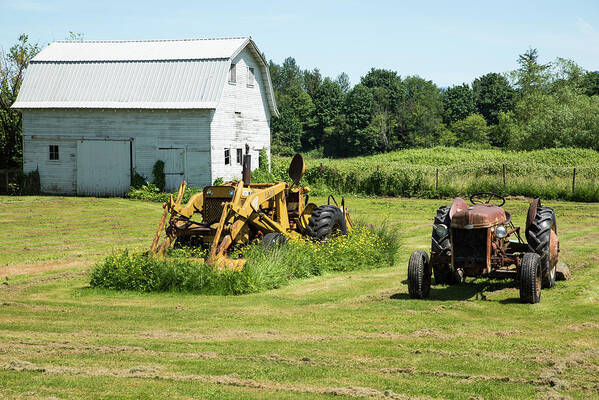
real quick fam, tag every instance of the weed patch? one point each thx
(267, 268)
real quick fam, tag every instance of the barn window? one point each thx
(233, 74)
(53, 148)
(239, 156)
(227, 156)
(250, 76)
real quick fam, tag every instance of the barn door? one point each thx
(103, 167)
(174, 167)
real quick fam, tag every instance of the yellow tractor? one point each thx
(238, 212)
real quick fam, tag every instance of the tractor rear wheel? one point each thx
(325, 221)
(419, 275)
(538, 234)
(440, 245)
(530, 278)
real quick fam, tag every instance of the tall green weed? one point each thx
(267, 268)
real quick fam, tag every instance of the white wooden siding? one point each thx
(149, 130)
(241, 117)
(103, 167)
(56, 176)
(174, 166)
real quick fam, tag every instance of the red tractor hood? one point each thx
(478, 216)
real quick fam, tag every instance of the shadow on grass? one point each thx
(477, 289)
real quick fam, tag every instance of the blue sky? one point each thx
(449, 42)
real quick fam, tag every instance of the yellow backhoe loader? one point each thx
(239, 212)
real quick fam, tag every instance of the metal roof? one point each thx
(155, 84)
(156, 74)
(140, 50)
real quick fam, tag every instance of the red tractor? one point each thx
(481, 240)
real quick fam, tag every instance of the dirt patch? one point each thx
(20, 365)
(584, 325)
(462, 377)
(40, 266)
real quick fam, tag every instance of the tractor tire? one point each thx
(273, 239)
(530, 278)
(538, 235)
(325, 221)
(419, 275)
(441, 246)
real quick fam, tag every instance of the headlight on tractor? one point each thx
(501, 231)
(231, 192)
(441, 230)
(209, 192)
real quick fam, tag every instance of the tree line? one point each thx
(535, 106)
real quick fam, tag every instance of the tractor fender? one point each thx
(532, 211)
(458, 204)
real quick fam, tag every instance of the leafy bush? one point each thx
(267, 268)
(137, 181)
(25, 184)
(158, 174)
(151, 192)
(263, 160)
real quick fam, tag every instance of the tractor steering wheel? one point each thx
(477, 198)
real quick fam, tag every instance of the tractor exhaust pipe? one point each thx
(246, 173)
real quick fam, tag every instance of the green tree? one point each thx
(358, 107)
(291, 76)
(532, 76)
(471, 131)
(492, 95)
(293, 128)
(275, 77)
(564, 118)
(312, 81)
(343, 81)
(328, 99)
(590, 83)
(567, 73)
(420, 114)
(351, 135)
(12, 67)
(387, 89)
(286, 132)
(458, 103)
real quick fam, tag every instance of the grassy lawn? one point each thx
(342, 335)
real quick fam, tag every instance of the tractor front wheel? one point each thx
(273, 239)
(326, 221)
(419, 275)
(530, 278)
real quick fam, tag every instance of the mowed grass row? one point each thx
(57, 228)
(342, 335)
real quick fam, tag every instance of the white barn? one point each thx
(94, 112)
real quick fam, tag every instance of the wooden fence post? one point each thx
(504, 175)
(573, 180)
(437, 180)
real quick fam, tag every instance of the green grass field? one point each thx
(342, 335)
